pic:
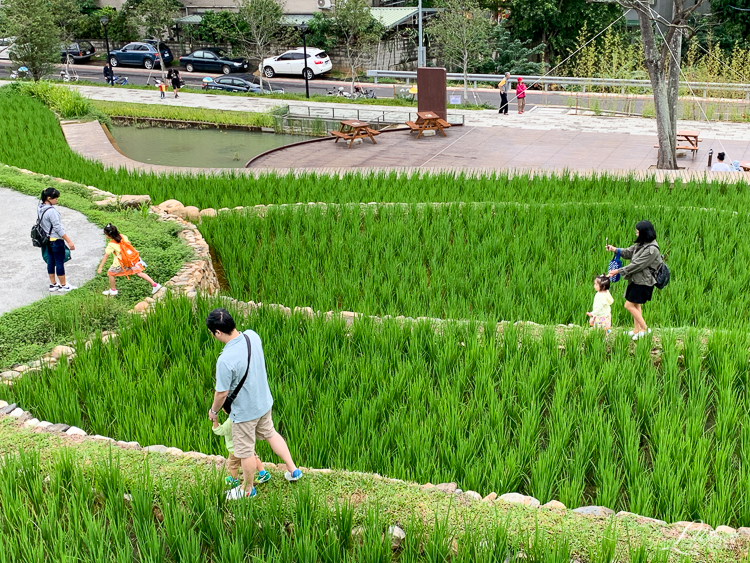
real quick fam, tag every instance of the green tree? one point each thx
(258, 23)
(462, 29)
(358, 34)
(67, 17)
(220, 27)
(730, 25)
(37, 40)
(157, 18)
(511, 55)
(556, 23)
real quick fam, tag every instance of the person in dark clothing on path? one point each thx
(176, 82)
(504, 86)
(645, 260)
(109, 76)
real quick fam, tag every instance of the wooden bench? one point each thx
(685, 148)
(340, 135)
(413, 126)
(373, 131)
(443, 123)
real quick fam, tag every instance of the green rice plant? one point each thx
(585, 424)
(484, 261)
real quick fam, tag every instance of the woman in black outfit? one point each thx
(645, 260)
(176, 82)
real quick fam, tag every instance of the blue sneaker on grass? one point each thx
(231, 481)
(263, 477)
(295, 476)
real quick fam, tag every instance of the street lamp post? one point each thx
(303, 29)
(420, 52)
(104, 21)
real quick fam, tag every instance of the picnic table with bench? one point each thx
(353, 129)
(687, 141)
(428, 121)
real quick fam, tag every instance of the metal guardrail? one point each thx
(373, 116)
(547, 81)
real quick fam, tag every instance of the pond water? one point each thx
(202, 148)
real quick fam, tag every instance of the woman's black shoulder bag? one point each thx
(230, 399)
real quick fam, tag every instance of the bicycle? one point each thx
(65, 76)
(20, 73)
(119, 80)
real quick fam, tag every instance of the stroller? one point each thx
(20, 73)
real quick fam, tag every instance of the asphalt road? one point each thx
(139, 76)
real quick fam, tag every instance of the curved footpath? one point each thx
(24, 278)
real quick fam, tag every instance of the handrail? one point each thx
(567, 81)
(385, 117)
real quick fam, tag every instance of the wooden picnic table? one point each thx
(687, 141)
(427, 121)
(352, 129)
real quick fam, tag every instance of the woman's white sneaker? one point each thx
(111, 292)
(54, 287)
(155, 288)
(66, 288)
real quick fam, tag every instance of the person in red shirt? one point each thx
(521, 94)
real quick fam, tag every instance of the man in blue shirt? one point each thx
(251, 408)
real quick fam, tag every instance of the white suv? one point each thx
(292, 62)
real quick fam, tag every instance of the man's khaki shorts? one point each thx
(244, 434)
(233, 462)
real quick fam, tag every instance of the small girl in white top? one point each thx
(601, 315)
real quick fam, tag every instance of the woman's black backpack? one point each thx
(39, 238)
(661, 274)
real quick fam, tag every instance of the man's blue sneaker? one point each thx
(296, 476)
(263, 477)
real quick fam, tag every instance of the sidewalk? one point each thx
(540, 118)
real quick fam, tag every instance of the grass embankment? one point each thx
(575, 418)
(294, 96)
(28, 332)
(65, 496)
(484, 261)
(221, 117)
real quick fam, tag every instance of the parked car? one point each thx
(237, 84)
(78, 52)
(293, 62)
(140, 53)
(212, 61)
(5, 45)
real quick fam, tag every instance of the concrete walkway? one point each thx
(24, 274)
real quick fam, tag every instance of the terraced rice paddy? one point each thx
(660, 428)
(665, 436)
(42, 148)
(483, 261)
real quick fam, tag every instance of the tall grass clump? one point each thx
(483, 261)
(567, 418)
(39, 145)
(64, 510)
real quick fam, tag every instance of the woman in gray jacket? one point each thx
(51, 224)
(645, 259)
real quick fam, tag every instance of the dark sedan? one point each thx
(140, 54)
(236, 84)
(211, 61)
(78, 52)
